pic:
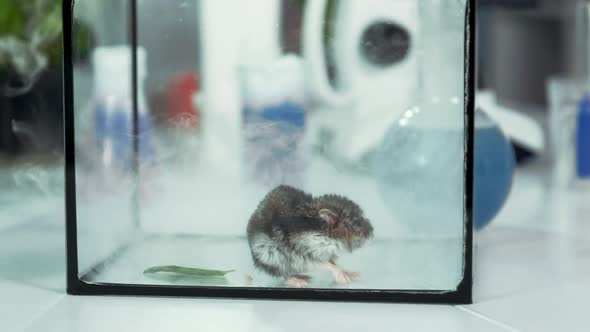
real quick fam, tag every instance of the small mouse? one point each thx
(292, 232)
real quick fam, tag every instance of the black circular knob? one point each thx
(385, 43)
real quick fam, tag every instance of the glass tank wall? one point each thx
(277, 143)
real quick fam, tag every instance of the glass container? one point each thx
(305, 163)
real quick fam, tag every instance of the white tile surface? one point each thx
(558, 308)
(84, 314)
(534, 205)
(20, 305)
(34, 254)
(526, 262)
(539, 239)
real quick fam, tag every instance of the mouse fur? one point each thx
(290, 232)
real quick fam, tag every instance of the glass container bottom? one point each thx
(401, 264)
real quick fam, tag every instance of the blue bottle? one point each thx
(113, 113)
(274, 116)
(583, 138)
(101, 123)
(273, 137)
(122, 137)
(122, 133)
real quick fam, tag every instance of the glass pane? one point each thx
(280, 144)
(102, 89)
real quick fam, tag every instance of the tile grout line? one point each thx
(487, 319)
(42, 312)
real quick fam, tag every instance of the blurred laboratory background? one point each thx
(532, 167)
(530, 54)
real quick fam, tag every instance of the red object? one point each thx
(182, 112)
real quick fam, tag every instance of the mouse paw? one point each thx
(298, 281)
(342, 277)
(346, 277)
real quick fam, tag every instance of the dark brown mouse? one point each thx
(292, 232)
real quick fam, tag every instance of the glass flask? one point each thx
(419, 162)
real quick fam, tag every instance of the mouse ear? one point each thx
(328, 215)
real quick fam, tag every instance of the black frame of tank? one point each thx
(76, 285)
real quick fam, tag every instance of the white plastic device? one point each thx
(368, 96)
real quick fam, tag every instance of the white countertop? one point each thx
(532, 273)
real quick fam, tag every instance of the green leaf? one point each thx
(187, 271)
(188, 280)
(12, 20)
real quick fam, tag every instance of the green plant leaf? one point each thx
(187, 271)
(12, 20)
(188, 280)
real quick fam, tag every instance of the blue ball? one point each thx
(493, 170)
